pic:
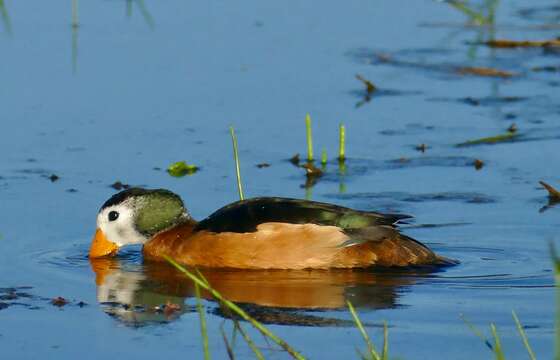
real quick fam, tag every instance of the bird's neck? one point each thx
(166, 242)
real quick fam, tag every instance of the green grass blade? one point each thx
(249, 341)
(385, 353)
(75, 17)
(556, 262)
(229, 348)
(309, 138)
(497, 344)
(490, 140)
(203, 328)
(477, 332)
(324, 158)
(342, 143)
(236, 158)
(370, 346)
(523, 336)
(5, 17)
(237, 310)
(148, 18)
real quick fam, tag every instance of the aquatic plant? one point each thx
(309, 137)
(5, 17)
(372, 352)
(342, 143)
(484, 14)
(235, 309)
(181, 168)
(236, 158)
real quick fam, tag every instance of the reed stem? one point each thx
(309, 138)
(237, 310)
(236, 158)
(342, 143)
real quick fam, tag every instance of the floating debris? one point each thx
(546, 68)
(421, 147)
(170, 308)
(181, 168)
(512, 128)
(117, 185)
(478, 164)
(509, 136)
(263, 165)
(71, 190)
(553, 194)
(484, 71)
(312, 174)
(295, 159)
(311, 171)
(502, 43)
(54, 178)
(370, 88)
(59, 301)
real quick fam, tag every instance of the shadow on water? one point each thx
(136, 294)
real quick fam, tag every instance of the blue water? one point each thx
(142, 84)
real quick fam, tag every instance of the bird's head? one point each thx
(134, 216)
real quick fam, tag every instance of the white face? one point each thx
(121, 229)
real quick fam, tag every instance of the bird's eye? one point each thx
(113, 215)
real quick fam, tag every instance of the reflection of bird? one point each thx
(259, 233)
(137, 295)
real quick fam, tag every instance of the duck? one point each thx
(261, 233)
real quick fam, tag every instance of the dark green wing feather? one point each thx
(246, 215)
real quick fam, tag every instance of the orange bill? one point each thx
(100, 246)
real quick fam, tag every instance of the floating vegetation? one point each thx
(484, 71)
(553, 194)
(295, 159)
(181, 168)
(311, 171)
(478, 164)
(507, 137)
(548, 68)
(117, 185)
(312, 174)
(370, 88)
(59, 301)
(422, 148)
(236, 159)
(483, 15)
(444, 67)
(502, 43)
